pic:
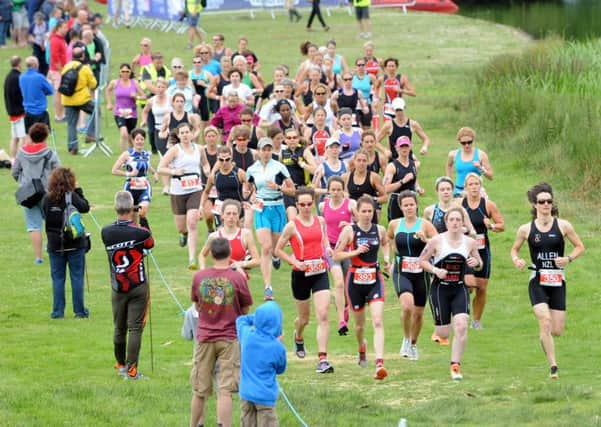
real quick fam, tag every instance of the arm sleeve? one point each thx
(80, 202)
(243, 325)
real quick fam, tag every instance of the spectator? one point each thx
(5, 20)
(13, 101)
(20, 23)
(62, 250)
(221, 295)
(58, 59)
(37, 38)
(81, 100)
(34, 89)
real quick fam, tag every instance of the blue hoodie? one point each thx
(263, 356)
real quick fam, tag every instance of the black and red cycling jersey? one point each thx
(125, 242)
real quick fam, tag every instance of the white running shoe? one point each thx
(404, 352)
(476, 325)
(413, 353)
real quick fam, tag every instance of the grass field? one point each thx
(59, 373)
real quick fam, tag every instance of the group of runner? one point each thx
(300, 160)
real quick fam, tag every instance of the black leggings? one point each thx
(315, 11)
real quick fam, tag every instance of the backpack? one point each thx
(72, 227)
(69, 81)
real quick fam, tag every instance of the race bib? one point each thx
(481, 241)
(213, 193)
(550, 277)
(365, 276)
(138, 183)
(410, 264)
(190, 182)
(217, 206)
(388, 110)
(314, 267)
(125, 112)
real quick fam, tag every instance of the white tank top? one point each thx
(190, 163)
(159, 111)
(446, 249)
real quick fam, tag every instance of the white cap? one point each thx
(331, 141)
(398, 104)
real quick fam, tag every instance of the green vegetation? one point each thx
(544, 104)
(60, 372)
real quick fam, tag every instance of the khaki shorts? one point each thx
(206, 355)
(254, 415)
(17, 128)
(182, 203)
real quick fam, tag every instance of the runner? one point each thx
(208, 160)
(435, 213)
(453, 255)
(287, 120)
(134, 165)
(182, 164)
(393, 84)
(321, 99)
(400, 125)
(410, 234)
(244, 254)
(292, 158)
(243, 157)
(331, 166)
(269, 181)
(360, 182)
(361, 242)
(467, 159)
(317, 135)
(484, 216)
(400, 175)
(348, 135)
(179, 115)
(375, 162)
(348, 97)
(365, 84)
(308, 238)
(546, 235)
(201, 79)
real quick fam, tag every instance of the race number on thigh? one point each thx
(364, 276)
(552, 277)
(481, 241)
(410, 264)
(138, 183)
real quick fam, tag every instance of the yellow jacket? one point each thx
(86, 82)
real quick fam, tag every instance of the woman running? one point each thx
(393, 84)
(361, 242)
(467, 159)
(287, 119)
(348, 135)
(160, 106)
(435, 213)
(218, 82)
(308, 238)
(208, 160)
(338, 211)
(361, 182)
(331, 166)
(317, 135)
(182, 164)
(375, 161)
(348, 97)
(484, 216)
(546, 235)
(365, 84)
(449, 257)
(244, 255)
(126, 92)
(410, 235)
(134, 165)
(201, 80)
(321, 100)
(292, 158)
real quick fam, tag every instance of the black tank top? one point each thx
(284, 126)
(212, 159)
(398, 131)
(348, 101)
(375, 165)
(173, 122)
(355, 191)
(307, 97)
(545, 247)
(371, 237)
(243, 161)
(477, 216)
(438, 219)
(290, 160)
(228, 186)
(407, 244)
(223, 82)
(400, 171)
(253, 142)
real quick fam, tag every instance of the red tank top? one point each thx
(238, 251)
(307, 242)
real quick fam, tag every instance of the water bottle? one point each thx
(403, 422)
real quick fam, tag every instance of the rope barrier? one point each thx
(294, 411)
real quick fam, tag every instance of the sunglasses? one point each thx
(292, 137)
(143, 45)
(204, 53)
(227, 159)
(545, 202)
(197, 62)
(466, 142)
(278, 91)
(348, 80)
(360, 65)
(246, 121)
(305, 205)
(320, 93)
(177, 66)
(240, 139)
(125, 71)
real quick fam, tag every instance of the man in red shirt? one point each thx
(221, 295)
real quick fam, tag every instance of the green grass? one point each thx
(60, 372)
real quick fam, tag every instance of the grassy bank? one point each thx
(60, 372)
(543, 105)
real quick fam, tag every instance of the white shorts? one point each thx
(17, 128)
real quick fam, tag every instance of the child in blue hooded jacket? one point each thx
(262, 357)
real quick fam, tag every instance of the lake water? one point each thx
(572, 19)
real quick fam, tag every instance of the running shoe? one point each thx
(276, 262)
(324, 367)
(299, 348)
(133, 373)
(476, 325)
(342, 328)
(413, 353)
(363, 354)
(165, 191)
(192, 265)
(183, 239)
(381, 373)
(455, 372)
(404, 352)
(439, 340)
(268, 294)
(38, 261)
(554, 374)
(121, 369)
